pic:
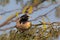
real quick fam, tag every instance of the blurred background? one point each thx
(49, 9)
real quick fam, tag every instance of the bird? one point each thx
(23, 23)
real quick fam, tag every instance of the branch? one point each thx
(9, 11)
(47, 23)
(7, 28)
(7, 20)
(42, 15)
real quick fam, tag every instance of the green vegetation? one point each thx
(34, 33)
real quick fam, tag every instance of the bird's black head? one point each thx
(24, 18)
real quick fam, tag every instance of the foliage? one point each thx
(28, 8)
(34, 33)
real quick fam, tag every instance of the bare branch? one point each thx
(7, 21)
(7, 28)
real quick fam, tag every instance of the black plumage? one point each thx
(43, 0)
(24, 18)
